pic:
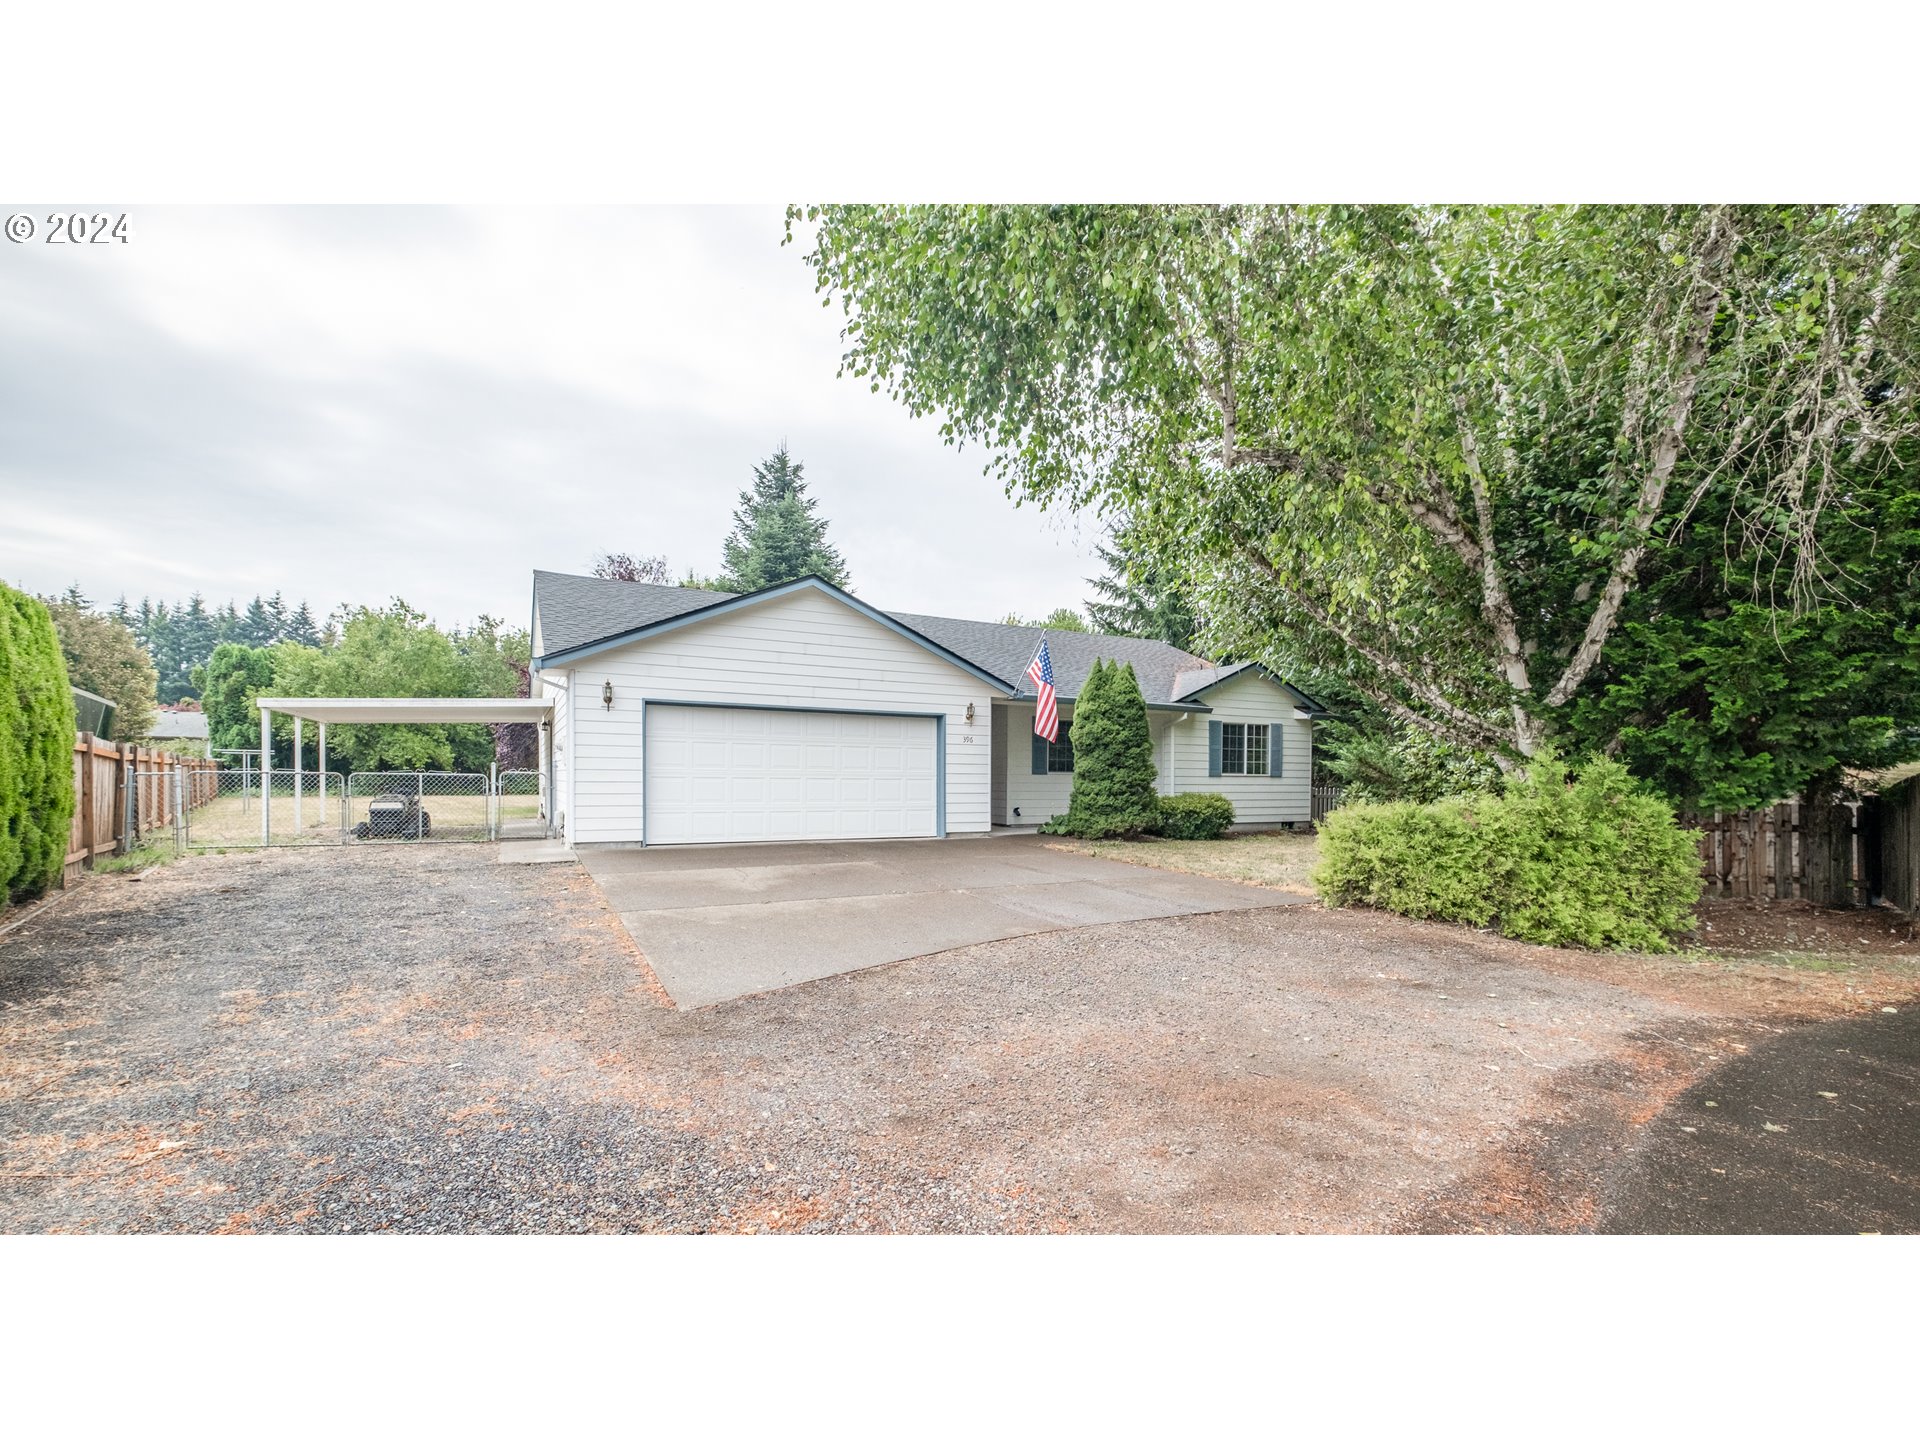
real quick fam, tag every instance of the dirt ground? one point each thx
(420, 1040)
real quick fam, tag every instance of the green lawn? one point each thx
(1278, 860)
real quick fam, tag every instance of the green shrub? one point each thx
(1194, 817)
(36, 749)
(1597, 863)
(1113, 774)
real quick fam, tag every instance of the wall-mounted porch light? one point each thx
(969, 712)
(606, 694)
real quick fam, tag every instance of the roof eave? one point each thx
(772, 592)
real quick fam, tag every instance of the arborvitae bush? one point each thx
(1599, 863)
(1113, 771)
(36, 749)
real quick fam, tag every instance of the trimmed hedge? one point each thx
(1113, 771)
(1598, 863)
(36, 748)
(1194, 817)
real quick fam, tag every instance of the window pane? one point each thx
(1256, 749)
(1233, 749)
(1060, 756)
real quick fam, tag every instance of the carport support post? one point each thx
(296, 775)
(544, 731)
(323, 774)
(266, 775)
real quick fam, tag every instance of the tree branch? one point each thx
(1715, 257)
(1483, 732)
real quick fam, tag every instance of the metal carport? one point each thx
(394, 710)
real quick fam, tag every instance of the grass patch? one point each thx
(134, 861)
(1276, 859)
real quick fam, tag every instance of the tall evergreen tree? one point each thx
(1139, 596)
(301, 630)
(776, 536)
(257, 629)
(1113, 774)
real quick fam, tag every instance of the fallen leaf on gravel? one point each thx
(1777, 1129)
(1829, 1095)
(1889, 1010)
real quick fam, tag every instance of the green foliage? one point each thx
(180, 639)
(1434, 448)
(398, 652)
(1598, 863)
(1723, 701)
(776, 535)
(103, 656)
(36, 749)
(1194, 816)
(1065, 618)
(1113, 773)
(1409, 765)
(229, 683)
(1141, 595)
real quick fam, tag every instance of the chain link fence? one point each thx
(277, 807)
(241, 808)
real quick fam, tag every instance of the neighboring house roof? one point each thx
(178, 725)
(579, 613)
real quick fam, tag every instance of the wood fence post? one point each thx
(86, 800)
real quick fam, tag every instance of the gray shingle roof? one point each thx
(1006, 650)
(579, 610)
(178, 725)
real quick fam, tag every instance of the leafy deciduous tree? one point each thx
(1433, 447)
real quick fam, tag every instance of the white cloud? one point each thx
(345, 404)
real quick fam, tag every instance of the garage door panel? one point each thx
(716, 775)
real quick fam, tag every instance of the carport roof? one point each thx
(351, 710)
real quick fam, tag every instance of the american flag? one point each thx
(1046, 716)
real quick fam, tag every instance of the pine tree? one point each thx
(1139, 597)
(277, 617)
(256, 625)
(1113, 774)
(301, 630)
(776, 536)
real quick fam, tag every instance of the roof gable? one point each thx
(719, 603)
(578, 615)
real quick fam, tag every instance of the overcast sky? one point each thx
(349, 404)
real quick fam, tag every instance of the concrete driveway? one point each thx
(718, 922)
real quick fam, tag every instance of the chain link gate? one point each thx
(419, 805)
(520, 805)
(235, 809)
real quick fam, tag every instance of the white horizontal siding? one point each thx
(1179, 759)
(1257, 799)
(805, 650)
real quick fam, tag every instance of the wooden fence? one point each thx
(1893, 822)
(123, 794)
(1788, 851)
(1325, 800)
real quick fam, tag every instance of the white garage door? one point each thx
(725, 775)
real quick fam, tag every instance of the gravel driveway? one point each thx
(422, 1040)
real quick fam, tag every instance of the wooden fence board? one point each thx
(123, 794)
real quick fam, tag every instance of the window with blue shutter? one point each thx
(1213, 747)
(1276, 747)
(1040, 754)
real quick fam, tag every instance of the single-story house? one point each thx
(801, 712)
(173, 722)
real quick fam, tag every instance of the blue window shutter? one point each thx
(1039, 754)
(1213, 747)
(1276, 747)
